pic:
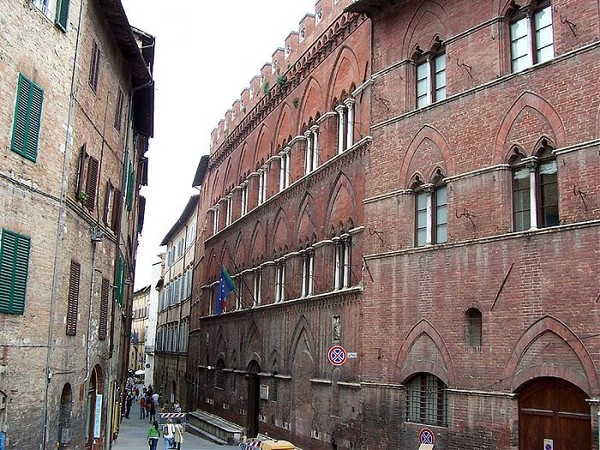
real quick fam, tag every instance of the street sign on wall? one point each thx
(337, 355)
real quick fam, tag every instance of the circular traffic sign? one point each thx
(426, 436)
(337, 355)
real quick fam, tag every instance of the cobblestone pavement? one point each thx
(132, 436)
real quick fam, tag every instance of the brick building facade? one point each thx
(174, 300)
(451, 239)
(139, 326)
(73, 160)
(284, 191)
(480, 320)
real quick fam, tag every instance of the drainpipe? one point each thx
(60, 226)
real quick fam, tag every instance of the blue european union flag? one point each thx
(226, 285)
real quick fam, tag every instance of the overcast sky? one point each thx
(206, 54)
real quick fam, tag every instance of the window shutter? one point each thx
(141, 213)
(130, 180)
(119, 280)
(28, 114)
(62, 14)
(14, 268)
(107, 199)
(117, 211)
(119, 110)
(103, 309)
(92, 183)
(94, 67)
(72, 308)
(81, 171)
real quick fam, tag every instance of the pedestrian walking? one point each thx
(142, 407)
(176, 407)
(178, 434)
(168, 433)
(153, 436)
(128, 405)
(152, 410)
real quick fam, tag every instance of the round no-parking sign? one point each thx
(426, 436)
(337, 355)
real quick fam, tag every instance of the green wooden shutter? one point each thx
(73, 305)
(14, 269)
(28, 115)
(130, 182)
(120, 280)
(62, 14)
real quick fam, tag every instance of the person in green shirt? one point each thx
(153, 436)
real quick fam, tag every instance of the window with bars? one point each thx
(535, 190)
(87, 179)
(94, 73)
(14, 270)
(28, 118)
(73, 301)
(426, 400)
(531, 36)
(431, 77)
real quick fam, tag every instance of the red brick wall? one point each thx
(538, 323)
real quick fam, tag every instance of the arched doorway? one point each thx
(64, 417)
(253, 398)
(94, 410)
(553, 411)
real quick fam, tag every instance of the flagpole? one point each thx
(237, 270)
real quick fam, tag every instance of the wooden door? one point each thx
(552, 408)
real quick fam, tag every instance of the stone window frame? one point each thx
(429, 88)
(526, 22)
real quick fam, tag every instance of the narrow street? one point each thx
(132, 436)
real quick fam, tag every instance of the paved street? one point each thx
(133, 436)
